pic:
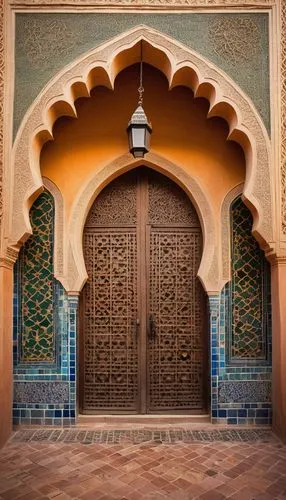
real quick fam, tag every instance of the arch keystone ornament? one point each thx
(181, 66)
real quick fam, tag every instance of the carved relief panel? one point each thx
(143, 345)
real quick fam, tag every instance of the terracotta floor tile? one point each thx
(151, 471)
(212, 495)
(14, 493)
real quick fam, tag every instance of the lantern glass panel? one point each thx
(138, 137)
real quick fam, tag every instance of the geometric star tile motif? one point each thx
(249, 288)
(37, 285)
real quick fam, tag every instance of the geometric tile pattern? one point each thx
(240, 389)
(138, 436)
(208, 470)
(248, 288)
(45, 394)
(37, 285)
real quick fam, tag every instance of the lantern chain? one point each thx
(141, 88)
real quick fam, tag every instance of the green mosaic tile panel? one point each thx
(238, 43)
(249, 288)
(37, 285)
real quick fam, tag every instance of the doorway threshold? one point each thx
(121, 421)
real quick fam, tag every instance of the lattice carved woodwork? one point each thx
(116, 204)
(36, 284)
(176, 357)
(110, 307)
(168, 204)
(249, 288)
(110, 300)
(114, 252)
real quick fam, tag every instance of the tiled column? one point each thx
(214, 302)
(72, 349)
(278, 292)
(46, 394)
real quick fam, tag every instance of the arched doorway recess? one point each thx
(143, 309)
(100, 66)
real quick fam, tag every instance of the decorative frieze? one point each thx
(46, 42)
(41, 392)
(283, 117)
(148, 3)
(246, 391)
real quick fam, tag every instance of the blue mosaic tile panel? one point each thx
(248, 314)
(45, 393)
(58, 383)
(36, 286)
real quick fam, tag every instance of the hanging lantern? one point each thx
(139, 130)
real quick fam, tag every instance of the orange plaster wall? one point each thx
(181, 133)
(278, 280)
(6, 360)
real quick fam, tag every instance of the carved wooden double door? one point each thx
(143, 342)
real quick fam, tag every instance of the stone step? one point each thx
(145, 420)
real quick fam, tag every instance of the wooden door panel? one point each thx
(142, 248)
(109, 309)
(175, 354)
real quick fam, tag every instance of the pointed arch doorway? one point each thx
(143, 327)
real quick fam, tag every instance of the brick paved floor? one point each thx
(136, 465)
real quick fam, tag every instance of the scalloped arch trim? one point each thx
(181, 66)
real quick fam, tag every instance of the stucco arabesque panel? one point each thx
(237, 43)
(27, 173)
(59, 236)
(226, 231)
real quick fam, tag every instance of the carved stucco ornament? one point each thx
(283, 119)
(151, 3)
(235, 39)
(57, 42)
(245, 122)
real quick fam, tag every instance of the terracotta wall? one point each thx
(181, 132)
(6, 376)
